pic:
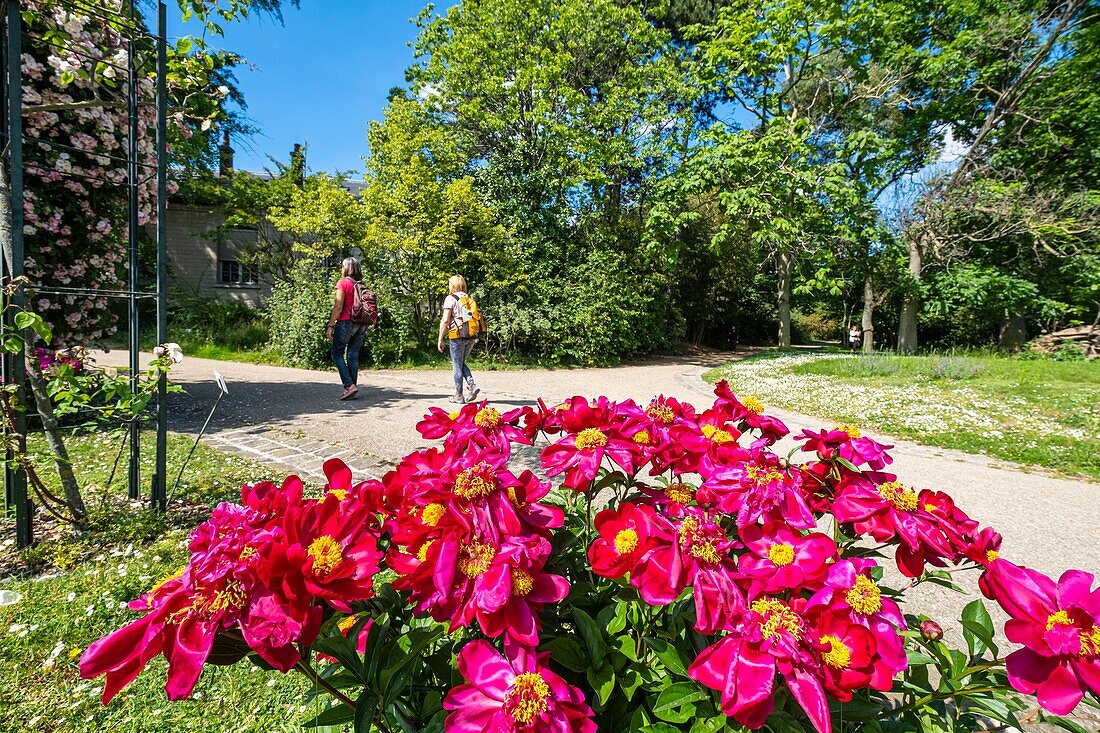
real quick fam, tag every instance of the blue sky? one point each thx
(319, 77)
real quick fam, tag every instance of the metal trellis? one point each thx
(127, 23)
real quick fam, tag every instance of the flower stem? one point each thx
(933, 698)
(304, 667)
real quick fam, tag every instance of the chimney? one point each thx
(225, 156)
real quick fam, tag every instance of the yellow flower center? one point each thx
(454, 415)
(642, 438)
(839, 655)
(422, 553)
(528, 698)
(432, 514)
(1090, 642)
(781, 554)
(777, 618)
(678, 493)
(991, 555)
(475, 558)
(762, 475)
(752, 404)
(247, 551)
(626, 541)
(898, 494)
(716, 434)
(590, 438)
(346, 623)
(1058, 618)
(487, 418)
(929, 508)
(522, 582)
(340, 494)
(699, 544)
(660, 413)
(326, 555)
(864, 597)
(476, 481)
(852, 430)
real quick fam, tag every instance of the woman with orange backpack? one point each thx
(461, 324)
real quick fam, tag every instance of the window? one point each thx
(231, 272)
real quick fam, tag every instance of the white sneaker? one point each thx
(456, 398)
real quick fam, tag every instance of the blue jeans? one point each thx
(460, 349)
(347, 337)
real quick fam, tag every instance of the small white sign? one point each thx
(221, 382)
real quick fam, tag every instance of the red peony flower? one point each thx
(1059, 627)
(849, 590)
(508, 597)
(331, 553)
(769, 637)
(516, 693)
(781, 558)
(760, 489)
(589, 436)
(625, 537)
(879, 505)
(847, 442)
(697, 554)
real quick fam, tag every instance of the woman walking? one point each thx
(456, 315)
(346, 337)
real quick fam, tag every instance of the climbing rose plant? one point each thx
(679, 574)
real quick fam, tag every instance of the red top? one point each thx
(348, 286)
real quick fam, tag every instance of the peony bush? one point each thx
(676, 575)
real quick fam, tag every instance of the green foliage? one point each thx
(75, 589)
(197, 321)
(297, 312)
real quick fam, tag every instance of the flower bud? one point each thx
(931, 630)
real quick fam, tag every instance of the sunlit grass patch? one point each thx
(1033, 411)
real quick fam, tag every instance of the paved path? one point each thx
(291, 420)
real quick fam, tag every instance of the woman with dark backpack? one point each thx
(343, 331)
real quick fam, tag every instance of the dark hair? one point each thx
(350, 268)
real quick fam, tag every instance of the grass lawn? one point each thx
(1037, 412)
(74, 591)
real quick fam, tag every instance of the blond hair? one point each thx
(457, 284)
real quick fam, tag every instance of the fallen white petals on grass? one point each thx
(921, 406)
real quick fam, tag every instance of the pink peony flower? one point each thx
(1059, 627)
(516, 693)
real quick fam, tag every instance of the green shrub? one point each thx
(815, 326)
(235, 326)
(297, 312)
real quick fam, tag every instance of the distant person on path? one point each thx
(346, 337)
(733, 338)
(854, 338)
(461, 324)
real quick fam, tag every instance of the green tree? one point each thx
(987, 64)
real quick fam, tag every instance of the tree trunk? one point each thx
(907, 325)
(42, 400)
(783, 276)
(867, 324)
(38, 387)
(1013, 332)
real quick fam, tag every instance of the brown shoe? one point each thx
(350, 393)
